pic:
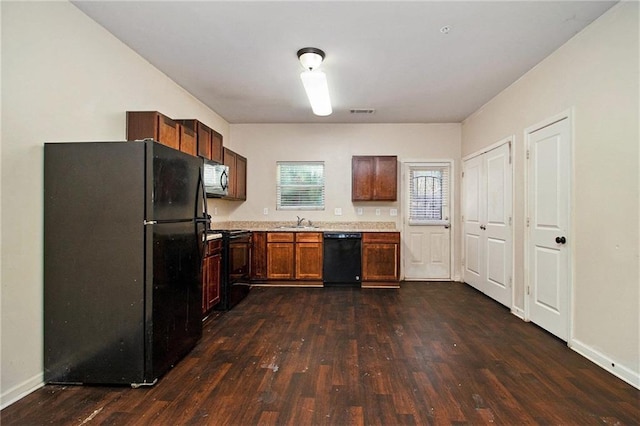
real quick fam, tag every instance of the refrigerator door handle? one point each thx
(150, 222)
(205, 218)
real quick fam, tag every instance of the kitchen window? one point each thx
(300, 185)
(429, 194)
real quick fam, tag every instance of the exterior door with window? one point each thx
(427, 232)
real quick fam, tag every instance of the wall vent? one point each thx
(362, 110)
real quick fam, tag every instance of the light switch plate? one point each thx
(377, 212)
(337, 211)
(393, 212)
(359, 211)
(265, 211)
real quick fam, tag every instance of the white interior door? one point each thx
(473, 213)
(487, 223)
(427, 229)
(549, 243)
(496, 241)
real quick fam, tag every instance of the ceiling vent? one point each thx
(362, 111)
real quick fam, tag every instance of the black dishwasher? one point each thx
(342, 263)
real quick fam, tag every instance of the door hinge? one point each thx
(462, 174)
(463, 218)
(527, 222)
(510, 282)
(527, 154)
(528, 290)
(509, 220)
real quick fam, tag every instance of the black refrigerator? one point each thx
(124, 228)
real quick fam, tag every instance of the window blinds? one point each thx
(300, 185)
(429, 194)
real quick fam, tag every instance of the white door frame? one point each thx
(568, 115)
(511, 141)
(452, 209)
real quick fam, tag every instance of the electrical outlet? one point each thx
(265, 211)
(359, 211)
(337, 211)
(393, 212)
(377, 212)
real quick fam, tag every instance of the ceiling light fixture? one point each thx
(314, 80)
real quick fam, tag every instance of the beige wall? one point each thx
(64, 78)
(335, 144)
(595, 75)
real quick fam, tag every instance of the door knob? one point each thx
(561, 240)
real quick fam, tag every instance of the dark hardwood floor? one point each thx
(428, 353)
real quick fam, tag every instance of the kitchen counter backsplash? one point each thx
(317, 226)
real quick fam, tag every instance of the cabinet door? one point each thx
(217, 153)
(308, 261)
(241, 177)
(362, 171)
(213, 293)
(204, 141)
(280, 264)
(385, 185)
(230, 161)
(168, 132)
(205, 284)
(188, 143)
(258, 269)
(380, 262)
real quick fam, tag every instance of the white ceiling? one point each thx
(239, 58)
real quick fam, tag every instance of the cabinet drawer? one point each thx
(280, 237)
(309, 237)
(381, 237)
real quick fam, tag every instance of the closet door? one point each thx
(487, 222)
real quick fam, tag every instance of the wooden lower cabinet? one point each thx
(287, 258)
(380, 259)
(211, 267)
(280, 256)
(309, 256)
(258, 264)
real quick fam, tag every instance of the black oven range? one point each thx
(234, 274)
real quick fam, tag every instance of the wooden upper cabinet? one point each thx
(374, 178)
(216, 147)
(188, 142)
(237, 175)
(208, 143)
(153, 125)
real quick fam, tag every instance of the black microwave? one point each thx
(216, 179)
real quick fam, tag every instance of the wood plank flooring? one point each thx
(428, 353)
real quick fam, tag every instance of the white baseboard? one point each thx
(618, 370)
(21, 390)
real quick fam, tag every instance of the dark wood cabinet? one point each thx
(374, 178)
(308, 256)
(208, 142)
(211, 265)
(280, 256)
(188, 142)
(153, 125)
(237, 175)
(258, 266)
(380, 259)
(293, 256)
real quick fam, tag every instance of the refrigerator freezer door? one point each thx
(174, 185)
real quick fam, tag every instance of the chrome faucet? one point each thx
(300, 220)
